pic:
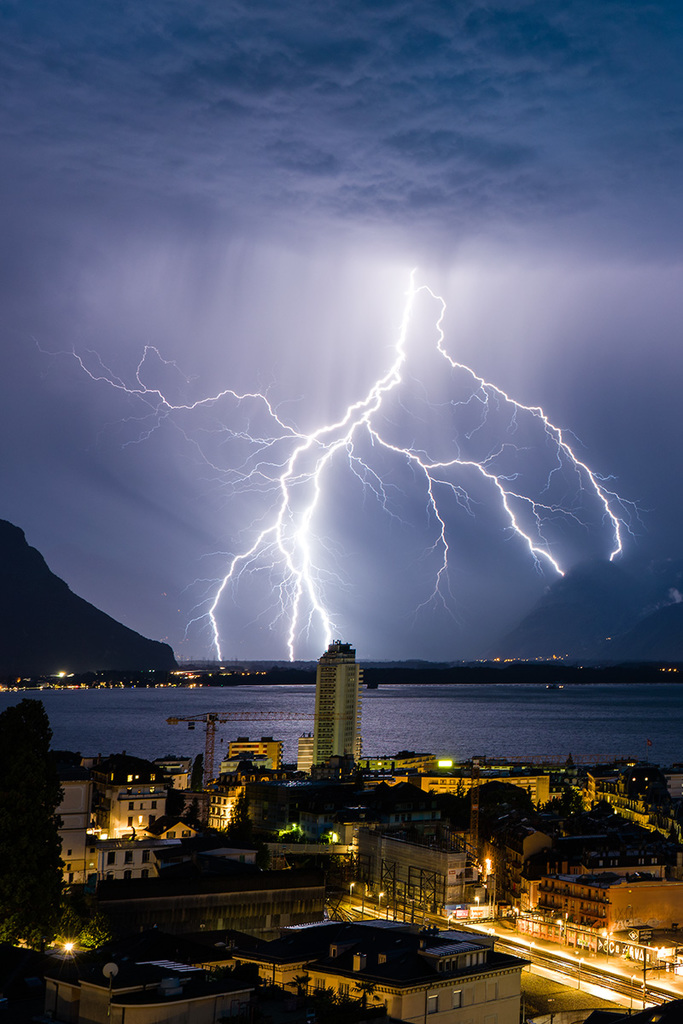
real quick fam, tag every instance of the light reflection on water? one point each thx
(588, 721)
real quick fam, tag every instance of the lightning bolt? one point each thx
(270, 458)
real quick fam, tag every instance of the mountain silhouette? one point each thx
(45, 628)
(657, 637)
(601, 612)
(577, 614)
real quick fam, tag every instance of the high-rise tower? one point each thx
(337, 704)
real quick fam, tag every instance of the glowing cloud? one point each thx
(468, 442)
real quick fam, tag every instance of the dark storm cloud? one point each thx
(433, 114)
(245, 185)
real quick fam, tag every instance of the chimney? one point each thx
(359, 961)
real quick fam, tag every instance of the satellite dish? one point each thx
(110, 971)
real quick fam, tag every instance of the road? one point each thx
(608, 976)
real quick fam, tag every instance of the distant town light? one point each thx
(444, 764)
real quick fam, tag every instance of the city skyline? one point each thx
(236, 199)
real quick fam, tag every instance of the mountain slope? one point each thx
(576, 615)
(657, 637)
(45, 628)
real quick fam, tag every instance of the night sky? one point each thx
(236, 196)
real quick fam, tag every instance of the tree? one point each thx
(192, 812)
(240, 829)
(197, 776)
(96, 931)
(175, 802)
(300, 982)
(366, 988)
(240, 832)
(31, 875)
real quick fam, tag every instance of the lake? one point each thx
(592, 722)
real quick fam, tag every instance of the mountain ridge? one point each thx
(601, 612)
(46, 628)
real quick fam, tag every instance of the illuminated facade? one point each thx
(304, 757)
(267, 748)
(433, 976)
(337, 704)
(129, 795)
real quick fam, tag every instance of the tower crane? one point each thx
(213, 718)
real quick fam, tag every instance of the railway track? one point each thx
(587, 973)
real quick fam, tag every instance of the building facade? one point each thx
(337, 729)
(446, 978)
(129, 795)
(78, 843)
(244, 749)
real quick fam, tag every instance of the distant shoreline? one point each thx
(550, 674)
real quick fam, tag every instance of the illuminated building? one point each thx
(73, 812)
(304, 757)
(129, 795)
(337, 704)
(430, 975)
(244, 749)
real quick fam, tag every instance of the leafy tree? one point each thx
(300, 982)
(175, 802)
(240, 832)
(197, 776)
(31, 875)
(366, 988)
(69, 926)
(240, 829)
(96, 931)
(192, 813)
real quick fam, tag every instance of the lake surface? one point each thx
(592, 722)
